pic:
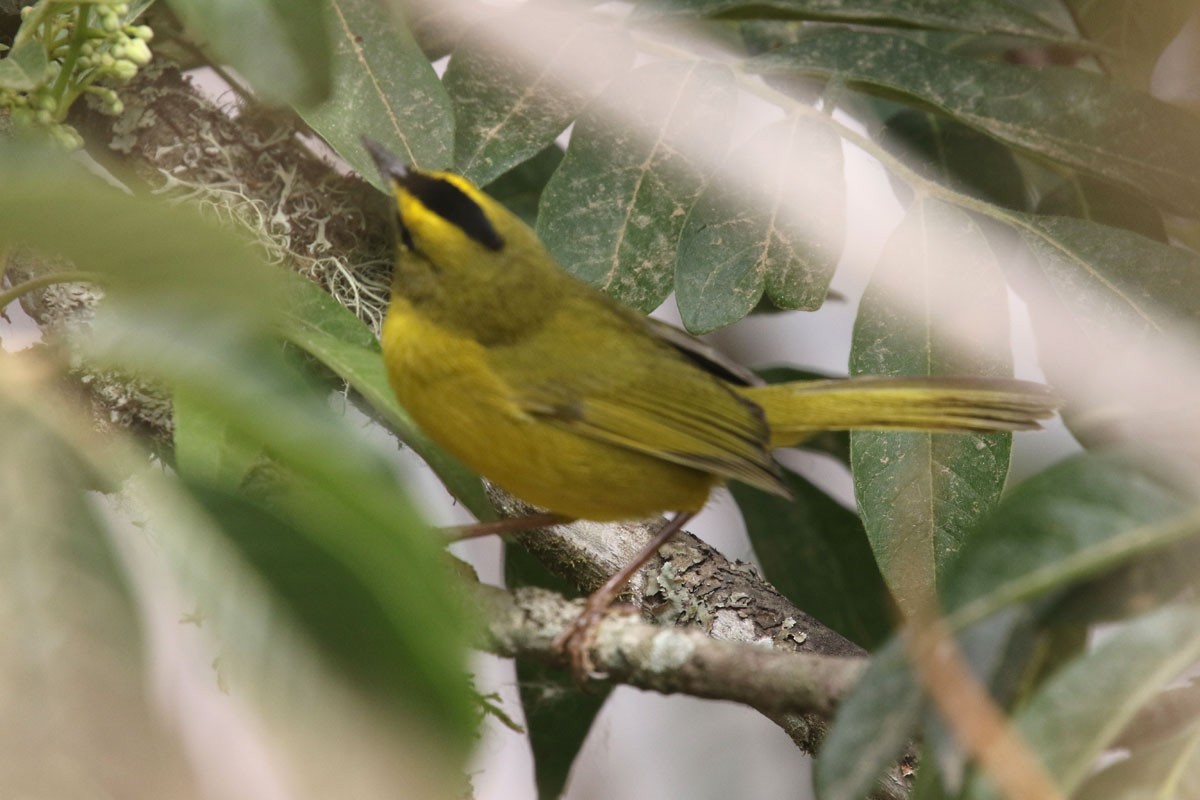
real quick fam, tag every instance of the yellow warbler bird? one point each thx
(573, 403)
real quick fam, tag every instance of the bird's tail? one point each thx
(799, 409)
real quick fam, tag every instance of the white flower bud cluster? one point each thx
(115, 50)
(107, 52)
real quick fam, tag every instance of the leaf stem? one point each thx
(78, 37)
(69, 276)
(30, 23)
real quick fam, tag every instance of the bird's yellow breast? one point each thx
(446, 383)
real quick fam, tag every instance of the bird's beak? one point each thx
(391, 169)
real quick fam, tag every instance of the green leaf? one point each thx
(206, 449)
(520, 189)
(322, 327)
(1133, 33)
(72, 660)
(937, 286)
(1171, 713)
(343, 614)
(1069, 116)
(24, 67)
(310, 306)
(354, 509)
(637, 160)
(517, 82)
(776, 227)
(763, 35)
(301, 626)
(1000, 651)
(1075, 520)
(1167, 770)
(816, 552)
(81, 672)
(928, 783)
(439, 27)
(280, 46)
(968, 16)
(1104, 275)
(383, 87)
(1105, 203)
(139, 244)
(1132, 587)
(558, 717)
(190, 307)
(872, 727)
(1079, 711)
(958, 156)
(1092, 292)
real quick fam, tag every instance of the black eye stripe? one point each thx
(451, 204)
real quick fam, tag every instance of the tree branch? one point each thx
(691, 584)
(637, 653)
(795, 688)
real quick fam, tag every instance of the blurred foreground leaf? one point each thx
(190, 307)
(280, 46)
(1075, 520)
(1167, 770)
(331, 333)
(872, 727)
(1097, 694)
(72, 663)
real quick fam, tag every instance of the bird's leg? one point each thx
(578, 637)
(502, 526)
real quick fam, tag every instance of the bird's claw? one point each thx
(576, 642)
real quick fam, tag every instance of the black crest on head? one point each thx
(453, 205)
(436, 194)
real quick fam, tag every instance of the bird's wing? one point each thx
(639, 393)
(703, 355)
(615, 380)
(708, 437)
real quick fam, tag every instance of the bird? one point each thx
(587, 409)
